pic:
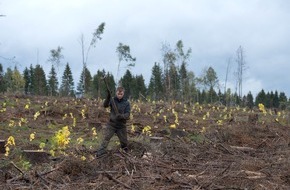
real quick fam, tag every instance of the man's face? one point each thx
(120, 94)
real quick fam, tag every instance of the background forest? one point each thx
(170, 80)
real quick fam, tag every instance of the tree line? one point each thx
(182, 86)
(170, 79)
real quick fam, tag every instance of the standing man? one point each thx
(119, 114)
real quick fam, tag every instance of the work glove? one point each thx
(119, 116)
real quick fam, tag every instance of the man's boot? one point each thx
(125, 149)
(100, 152)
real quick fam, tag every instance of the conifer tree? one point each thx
(67, 83)
(282, 97)
(31, 86)
(111, 85)
(282, 100)
(40, 83)
(85, 83)
(52, 82)
(260, 98)
(156, 87)
(127, 83)
(184, 82)
(140, 87)
(99, 87)
(269, 99)
(27, 81)
(276, 103)
(2, 81)
(250, 100)
(203, 97)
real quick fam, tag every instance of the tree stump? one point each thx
(36, 156)
(156, 139)
(2, 146)
(97, 125)
(242, 118)
(253, 118)
(177, 133)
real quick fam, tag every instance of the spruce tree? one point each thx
(184, 82)
(31, 86)
(276, 103)
(111, 85)
(283, 100)
(140, 87)
(127, 83)
(2, 81)
(261, 98)
(52, 82)
(27, 81)
(250, 100)
(67, 84)
(40, 83)
(282, 97)
(156, 87)
(85, 87)
(98, 87)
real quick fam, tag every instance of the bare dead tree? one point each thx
(240, 59)
(226, 79)
(96, 37)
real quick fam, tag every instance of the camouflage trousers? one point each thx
(108, 133)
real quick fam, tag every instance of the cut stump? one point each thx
(36, 156)
(177, 133)
(156, 139)
(97, 125)
(2, 146)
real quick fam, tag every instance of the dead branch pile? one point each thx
(222, 161)
(240, 154)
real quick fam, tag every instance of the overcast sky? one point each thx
(213, 29)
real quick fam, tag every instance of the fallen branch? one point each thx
(242, 148)
(19, 177)
(101, 172)
(40, 177)
(110, 177)
(45, 173)
(12, 163)
(254, 175)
